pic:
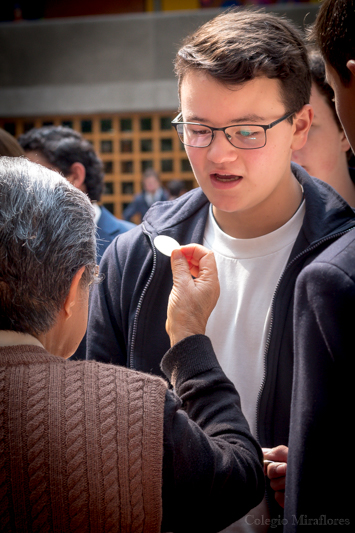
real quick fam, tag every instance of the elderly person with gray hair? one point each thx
(86, 446)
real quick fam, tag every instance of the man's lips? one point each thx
(224, 178)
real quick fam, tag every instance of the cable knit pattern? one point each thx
(75, 446)
(37, 399)
(4, 501)
(107, 410)
(135, 437)
(83, 442)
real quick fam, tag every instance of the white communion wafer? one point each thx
(166, 244)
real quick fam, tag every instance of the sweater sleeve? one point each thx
(212, 466)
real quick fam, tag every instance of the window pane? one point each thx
(166, 165)
(126, 167)
(106, 125)
(146, 145)
(165, 123)
(108, 167)
(185, 165)
(146, 124)
(108, 187)
(10, 127)
(127, 187)
(106, 147)
(126, 124)
(166, 145)
(109, 207)
(126, 146)
(86, 126)
(27, 126)
(67, 123)
(146, 164)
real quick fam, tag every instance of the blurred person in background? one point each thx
(327, 151)
(9, 145)
(152, 191)
(87, 446)
(66, 151)
(176, 188)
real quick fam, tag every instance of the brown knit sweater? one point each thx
(81, 445)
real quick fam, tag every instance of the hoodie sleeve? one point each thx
(212, 466)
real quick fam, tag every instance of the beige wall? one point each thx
(99, 64)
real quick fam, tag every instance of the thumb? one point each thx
(180, 267)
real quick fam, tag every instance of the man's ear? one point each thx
(301, 123)
(73, 293)
(77, 175)
(351, 66)
(344, 143)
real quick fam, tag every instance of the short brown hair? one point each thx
(334, 34)
(238, 46)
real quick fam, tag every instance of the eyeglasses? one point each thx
(244, 136)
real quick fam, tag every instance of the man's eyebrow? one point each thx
(240, 120)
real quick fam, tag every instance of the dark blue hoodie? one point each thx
(128, 309)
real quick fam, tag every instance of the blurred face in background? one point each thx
(324, 154)
(151, 184)
(344, 97)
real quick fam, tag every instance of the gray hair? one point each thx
(47, 233)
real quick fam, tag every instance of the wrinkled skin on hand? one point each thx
(195, 291)
(276, 471)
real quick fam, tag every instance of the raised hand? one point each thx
(195, 291)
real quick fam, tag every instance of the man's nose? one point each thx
(221, 150)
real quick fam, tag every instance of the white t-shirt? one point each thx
(248, 271)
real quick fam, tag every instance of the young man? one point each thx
(317, 488)
(244, 86)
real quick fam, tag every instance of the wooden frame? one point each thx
(127, 143)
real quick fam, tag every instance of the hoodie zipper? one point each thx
(267, 345)
(139, 306)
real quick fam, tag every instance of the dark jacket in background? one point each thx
(108, 227)
(139, 205)
(320, 467)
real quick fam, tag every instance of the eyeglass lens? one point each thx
(239, 136)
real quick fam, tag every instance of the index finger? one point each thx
(277, 454)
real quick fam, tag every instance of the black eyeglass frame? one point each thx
(175, 122)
